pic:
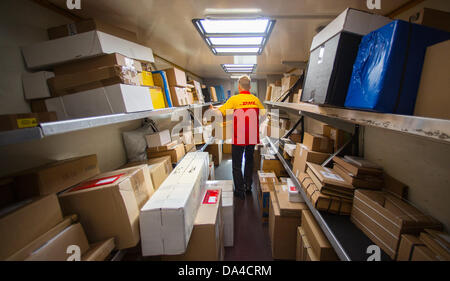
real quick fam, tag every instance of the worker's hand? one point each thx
(211, 107)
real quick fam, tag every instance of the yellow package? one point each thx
(146, 78)
(158, 99)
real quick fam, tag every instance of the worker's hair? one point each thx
(244, 82)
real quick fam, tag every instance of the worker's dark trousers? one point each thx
(237, 152)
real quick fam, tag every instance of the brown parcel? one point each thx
(99, 251)
(169, 146)
(407, 245)
(423, 253)
(303, 155)
(356, 171)
(206, 242)
(179, 96)
(365, 181)
(55, 177)
(384, 218)
(109, 204)
(433, 99)
(27, 221)
(286, 207)
(26, 120)
(159, 168)
(329, 182)
(216, 151)
(96, 62)
(175, 154)
(56, 249)
(90, 25)
(435, 245)
(282, 232)
(318, 143)
(176, 77)
(319, 243)
(323, 202)
(339, 137)
(306, 252)
(273, 165)
(300, 254)
(67, 84)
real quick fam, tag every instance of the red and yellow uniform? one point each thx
(246, 109)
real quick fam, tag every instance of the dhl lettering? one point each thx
(249, 103)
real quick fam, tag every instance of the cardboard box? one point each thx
(323, 202)
(25, 120)
(303, 155)
(339, 137)
(407, 245)
(216, 151)
(431, 98)
(288, 82)
(84, 45)
(367, 181)
(158, 138)
(436, 242)
(90, 25)
(176, 154)
(318, 143)
(282, 232)
(273, 165)
(168, 146)
(99, 251)
(23, 222)
(304, 250)
(176, 77)
(422, 253)
(213, 93)
(297, 138)
(286, 207)
(167, 219)
(319, 243)
(159, 168)
(55, 177)
(432, 18)
(67, 84)
(267, 181)
(35, 85)
(108, 205)
(384, 218)
(115, 99)
(56, 249)
(206, 242)
(227, 148)
(107, 60)
(329, 182)
(357, 170)
(179, 96)
(299, 256)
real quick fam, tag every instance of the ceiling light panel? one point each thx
(235, 36)
(239, 68)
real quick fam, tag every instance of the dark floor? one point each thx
(251, 236)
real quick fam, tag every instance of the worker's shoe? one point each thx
(239, 195)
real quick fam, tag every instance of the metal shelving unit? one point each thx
(348, 241)
(432, 129)
(67, 126)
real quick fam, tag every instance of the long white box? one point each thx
(353, 21)
(227, 188)
(35, 85)
(81, 46)
(115, 99)
(167, 219)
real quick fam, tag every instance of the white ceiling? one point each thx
(165, 26)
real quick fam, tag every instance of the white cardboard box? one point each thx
(294, 194)
(167, 219)
(80, 46)
(115, 99)
(158, 139)
(35, 85)
(353, 21)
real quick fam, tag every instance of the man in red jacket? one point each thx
(246, 109)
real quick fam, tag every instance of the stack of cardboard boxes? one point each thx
(430, 245)
(197, 92)
(103, 72)
(160, 144)
(176, 80)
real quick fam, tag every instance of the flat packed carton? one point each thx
(319, 243)
(176, 154)
(303, 155)
(167, 219)
(57, 248)
(407, 245)
(114, 99)
(437, 242)
(432, 100)
(35, 85)
(25, 120)
(176, 77)
(165, 147)
(323, 202)
(384, 218)
(55, 177)
(318, 143)
(365, 181)
(108, 205)
(23, 222)
(158, 138)
(282, 232)
(108, 60)
(67, 84)
(90, 25)
(357, 170)
(216, 150)
(81, 46)
(99, 251)
(329, 182)
(206, 242)
(423, 253)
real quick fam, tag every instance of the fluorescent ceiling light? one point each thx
(239, 68)
(235, 36)
(238, 41)
(238, 65)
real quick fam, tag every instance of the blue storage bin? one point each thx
(387, 70)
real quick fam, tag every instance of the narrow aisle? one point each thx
(251, 236)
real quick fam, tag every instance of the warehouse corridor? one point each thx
(251, 236)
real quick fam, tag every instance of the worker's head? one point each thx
(244, 83)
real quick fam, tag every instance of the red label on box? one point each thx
(293, 188)
(97, 183)
(211, 197)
